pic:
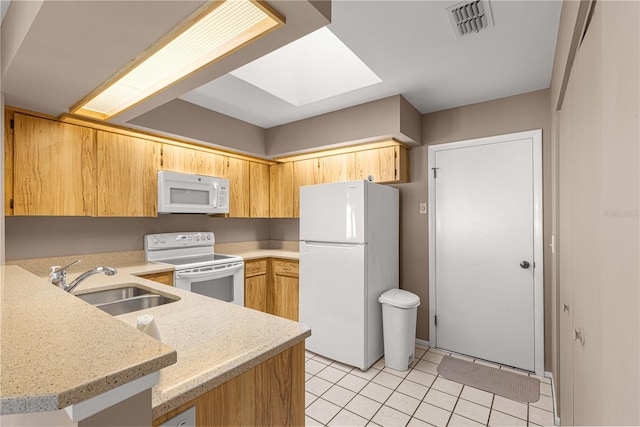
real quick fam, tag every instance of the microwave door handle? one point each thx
(215, 195)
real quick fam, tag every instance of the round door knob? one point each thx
(525, 264)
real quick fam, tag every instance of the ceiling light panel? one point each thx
(222, 28)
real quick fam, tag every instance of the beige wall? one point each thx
(512, 114)
(37, 237)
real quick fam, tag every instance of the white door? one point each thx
(484, 205)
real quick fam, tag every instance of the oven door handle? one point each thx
(212, 273)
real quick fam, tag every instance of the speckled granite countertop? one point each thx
(56, 350)
(265, 253)
(215, 341)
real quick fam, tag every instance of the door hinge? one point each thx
(435, 173)
(11, 204)
(161, 161)
(435, 320)
(11, 123)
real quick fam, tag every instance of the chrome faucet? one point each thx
(59, 277)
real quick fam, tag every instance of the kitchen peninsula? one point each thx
(236, 365)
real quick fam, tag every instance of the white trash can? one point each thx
(399, 312)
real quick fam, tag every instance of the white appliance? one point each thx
(188, 193)
(197, 267)
(349, 248)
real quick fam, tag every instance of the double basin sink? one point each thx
(127, 298)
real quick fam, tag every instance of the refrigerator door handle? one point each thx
(341, 245)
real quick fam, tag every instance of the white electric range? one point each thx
(197, 267)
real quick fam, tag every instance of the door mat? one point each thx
(506, 384)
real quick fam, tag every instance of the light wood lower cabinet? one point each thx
(271, 285)
(285, 289)
(165, 278)
(270, 394)
(255, 284)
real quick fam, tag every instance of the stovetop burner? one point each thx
(185, 250)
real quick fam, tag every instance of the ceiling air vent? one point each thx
(470, 17)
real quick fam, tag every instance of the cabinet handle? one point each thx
(578, 335)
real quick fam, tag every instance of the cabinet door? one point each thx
(255, 292)
(8, 163)
(255, 284)
(190, 160)
(238, 174)
(54, 169)
(379, 163)
(284, 296)
(259, 190)
(281, 190)
(341, 167)
(305, 172)
(127, 175)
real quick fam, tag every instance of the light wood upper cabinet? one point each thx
(8, 163)
(340, 167)
(281, 190)
(379, 163)
(238, 174)
(305, 172)
(127, 175)
(259, 190)
(189, 160)
(54, 168)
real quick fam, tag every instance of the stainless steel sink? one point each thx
(125, 299)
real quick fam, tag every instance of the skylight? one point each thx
(315, 67)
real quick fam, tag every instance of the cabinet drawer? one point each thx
(285, 267)
(254, 268)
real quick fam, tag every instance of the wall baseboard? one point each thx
(422, 343)
(556, 418)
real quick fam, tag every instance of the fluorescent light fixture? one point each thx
(218, 29)
(312, 68)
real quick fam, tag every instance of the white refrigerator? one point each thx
(348, 257)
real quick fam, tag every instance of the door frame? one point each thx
(538, 248)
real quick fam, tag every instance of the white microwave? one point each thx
(189, 193)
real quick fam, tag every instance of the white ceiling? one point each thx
(411, 46)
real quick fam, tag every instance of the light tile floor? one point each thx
(339, 395)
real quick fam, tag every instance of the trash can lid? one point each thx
(400, 298)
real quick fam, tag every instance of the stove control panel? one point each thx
(178, 240)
